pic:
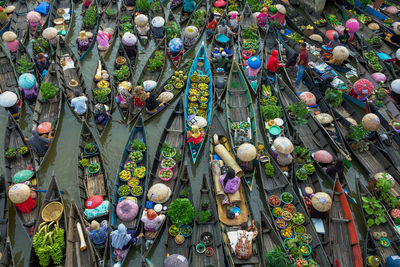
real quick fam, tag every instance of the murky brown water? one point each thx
(63, 155)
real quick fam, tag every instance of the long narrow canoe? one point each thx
(109, 103)
(239, 110)
(278, 185)
(182, 190)
(109, 22)
(121, 53)
(270, 43)
(156, 10)
(68, 7)
(126, 17)
(48, 111)
(53, 194)
(76, 255)
(138, 134)
(93, 184)
(248, 21)
(8, 75)
(193, 21)
(92, 29)
(14, 138)
(345, 245)
(69, 69)
(44, 19)
(5, 246)
(18, 23)
(201, 66)
(392, 236)
(174, 136)
(148, 75)
(206, 202)
(231, 226)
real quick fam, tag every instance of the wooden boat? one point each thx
(66, 25)
(172, 21)
(78, 253)
(52, 195)
(313, 137)
(143, 39)
(92, 29)
(44, 19)
(239, 109)
(70, 76)
(122, 54)
(5, 246)
(14, 138)
(48, 111)
(110, 98)
(18, 22)
(392, 236)
(93, 184)
(174, 135)
(230, 226)
(278, 185)
(210, 34)
(248, 20)
(147, 75)
(107, 21)
(182, 190)
(201, 7)
(270, 239)
(206, 202)
(185, 17)
(7, 73)
(270, 43)
(124, 14)
(345, 246)
(161, 89)
(156, 10)
(138, 134)
(23, 55)
(201, 66)
(370, 248)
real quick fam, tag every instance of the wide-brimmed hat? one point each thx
(19, 193)
(158, 22)
(321, 201)
(316, 37)
(9, 36)
(141, 20)
(281, 9)
(283, 145)
(8, 99)
(191, 32)
(324, 118)
(247, 152)
(50, 33)
(94, 225)
(340, 53)
(10, 9)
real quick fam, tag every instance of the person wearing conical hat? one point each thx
(51, 35)
(11, 41)
(103, 39)
(129, 41)
(84, 40)
(280, 15)
(124, 98)
(188, 7)
(33, 18)
(395, 59)
(234, 21)
(101, 115)
(142, 25)
(262, 18)
(195, 136)
(191, 35)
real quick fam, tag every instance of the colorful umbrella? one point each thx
(26, 81)
(22, 176)
(254, 62)
(175, 45)
(44, 127)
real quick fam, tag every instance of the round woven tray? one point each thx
(52, 211)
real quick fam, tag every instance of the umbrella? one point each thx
(9, 36)
(340, 53)
(316, 37)
(330, 34)
(324, 118)
(127, 210)
(246, 152)
(158, 22)
(141, 20)
(176, 260)
(353, 25)
(8, 99)
(309, 98)
(94, 201)
(379, 77)
(198, 121)
(254, 62)
(323, 156)
(26, 81)
(22, 176)
(363, 88)
(395, 86)
(321, 201)
(191, 32)
(159, 193)
(19, 193)
(283, 145)
(175, 45)
(370, 122)
(44, 127)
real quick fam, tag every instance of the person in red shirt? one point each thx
(211, 25)
(302, 62)
(273, 62)
(396, 59)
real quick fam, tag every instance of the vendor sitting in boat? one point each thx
(152, 104)
(98, 232)
(142, 25)
(396, 33)
(42, 63)
(129, 41)
(121, 240)
(10, 101)
(151, 221)
(262, 18)
(336, 170)
(339, 55)
(230, 182)
(195, 136)
(175, 50)
(221, 61)
(248, 157)
(39, 144)
(273, 63)
(176, 260)
(101, 115)
(334, 42)
(188, 7)
(234, 21)
(241, 240)
(124, 98)
(190, 36)
(396, 59)
(140, 96)
(211, 24)
(253, 67)
(222, 28)
(79, 103)
(318, 205)
(280, 15)
(84, 40)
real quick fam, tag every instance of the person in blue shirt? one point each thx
(188, 7)
(79, 103)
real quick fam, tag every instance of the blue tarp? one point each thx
(43, 8)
